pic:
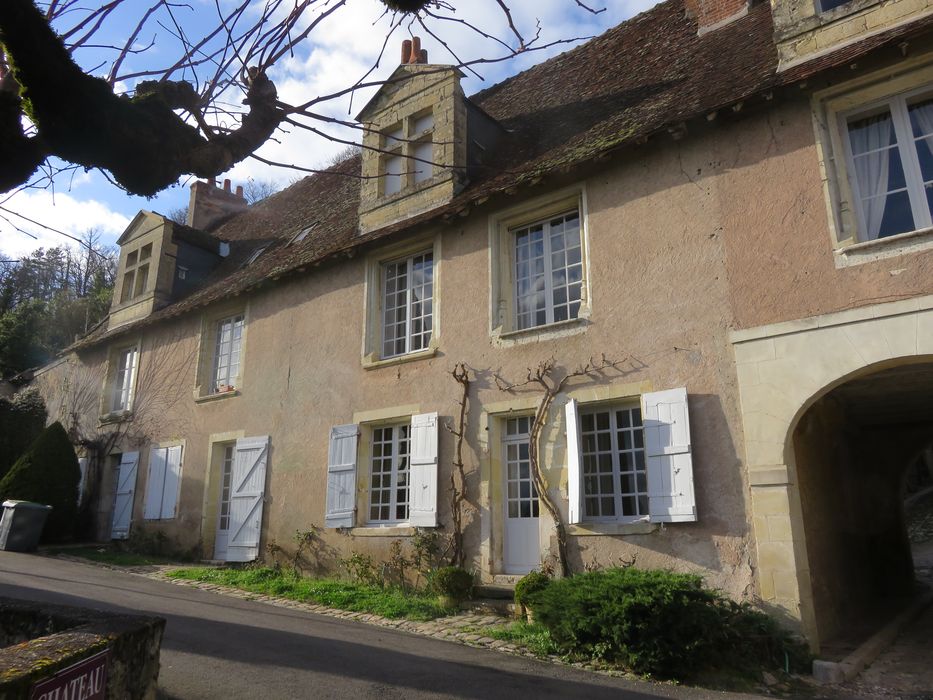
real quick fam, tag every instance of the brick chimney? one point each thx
(412, 53)
(209, 203)
(710, 15)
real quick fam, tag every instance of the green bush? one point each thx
(452, 581)
(47, 473)
(657, 622)
(22, 419)
(529, 584)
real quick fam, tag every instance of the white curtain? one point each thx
(871, 167)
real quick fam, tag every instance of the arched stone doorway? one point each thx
(783, 371)
(853, 450)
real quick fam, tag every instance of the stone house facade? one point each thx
(722, 206)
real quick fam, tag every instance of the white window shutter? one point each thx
(666, 424)
(341, 476)
(422, 465)
(574, 477)
(82, 466)
(155, 483)
(172, 482)
(247, 496)
(123, 501)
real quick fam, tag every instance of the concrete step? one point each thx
(495, 590)
(491, 606)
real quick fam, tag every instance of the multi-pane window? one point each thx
(124, 376)
(521, 495)
(407, 304)
(409, 153)
(136, 272)
(548, 271)
(226, 470)
(615, 480)
(229, 337)
(388, 477)
(890, 149)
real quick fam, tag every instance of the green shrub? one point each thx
(657, 622)
(22, 419)
(453, 582)
(47, 473)
(529, 584)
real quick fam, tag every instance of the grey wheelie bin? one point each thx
(21, 525)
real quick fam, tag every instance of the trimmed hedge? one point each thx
(47, 473)
(659, 623)
(22, 419)
(528, 585)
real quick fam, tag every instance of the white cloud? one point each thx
(62, 212)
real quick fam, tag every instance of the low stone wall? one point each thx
(41, 641)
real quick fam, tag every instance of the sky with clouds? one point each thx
(339, 51)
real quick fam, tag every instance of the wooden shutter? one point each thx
(172, 483)
(155, 484)
(82, 467)
(341, 476)
(123, 500)
(574, 477)
(422, 465)
(670, 464)
(247, 494)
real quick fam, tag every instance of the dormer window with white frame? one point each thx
(409, 153)
(136, 273)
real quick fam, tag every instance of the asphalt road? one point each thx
(221, 647)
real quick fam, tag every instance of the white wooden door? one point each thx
(521, 542)
(223, 507)
(248, 478)
(123, 496)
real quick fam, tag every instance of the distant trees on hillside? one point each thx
(50, 297)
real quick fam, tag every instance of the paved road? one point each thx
(221, 647)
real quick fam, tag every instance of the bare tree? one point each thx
(551, 380)
(185, 115)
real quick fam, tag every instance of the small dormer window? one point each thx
(136, 273)
(827, 5)
(409, 153)
(256, 253)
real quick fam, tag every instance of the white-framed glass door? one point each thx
(521, 540)
(222, 536)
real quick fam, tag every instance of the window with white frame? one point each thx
(227, 345)
(407, 304)
(615, 478)
(388, 474)
(889, 151)
(409, 153)
(521, 493)
(226, 480)
(124, 378)
(548, 271)
(630, 463)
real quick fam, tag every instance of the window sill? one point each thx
(881, 248)
(370, 361)
(586, 529)
(559, 329)
(115, 417)
(382, 531)
(207, 398)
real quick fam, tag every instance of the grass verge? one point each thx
(107, 555)
(344, 595)
(532, 636)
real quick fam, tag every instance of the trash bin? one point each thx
(21, 525)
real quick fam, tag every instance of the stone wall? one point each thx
(47, 639)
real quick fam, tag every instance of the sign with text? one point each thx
(85, 680)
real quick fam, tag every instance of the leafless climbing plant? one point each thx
(461, 375)
(548, 378)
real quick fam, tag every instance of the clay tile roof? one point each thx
(631, 82)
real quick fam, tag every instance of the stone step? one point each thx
(494, 606)
(495, 590)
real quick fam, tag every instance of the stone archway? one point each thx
(783, 371)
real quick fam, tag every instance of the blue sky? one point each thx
(338, 51)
